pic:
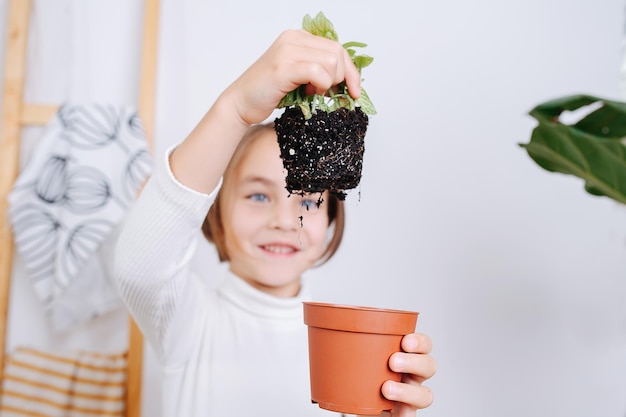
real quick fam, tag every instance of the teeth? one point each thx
(279, 249)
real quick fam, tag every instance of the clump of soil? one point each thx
(324, 152)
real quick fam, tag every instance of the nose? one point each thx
(285, 215)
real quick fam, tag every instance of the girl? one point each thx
(241, 350)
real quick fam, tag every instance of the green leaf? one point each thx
(590, 149)
(319, 26)
(349, 45)
(288, 100)
(292, 98)
(607, 121)
(553, 108)
(362, 61)
(345, 101)
(365, 103)
(306, 110)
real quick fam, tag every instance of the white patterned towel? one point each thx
(77, 186)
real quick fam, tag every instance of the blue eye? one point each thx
(310, 205)
(258, 197)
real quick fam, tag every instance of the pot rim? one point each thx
(360, 319)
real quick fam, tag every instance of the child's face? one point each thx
(270, 237)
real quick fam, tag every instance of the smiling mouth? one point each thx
(279, 249)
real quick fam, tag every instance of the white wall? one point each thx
(518, 273)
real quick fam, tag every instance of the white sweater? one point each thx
(233, 351)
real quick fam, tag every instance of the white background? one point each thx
(519, 275)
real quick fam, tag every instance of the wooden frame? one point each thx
(17, 114)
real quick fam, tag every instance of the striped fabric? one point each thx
(80, 384)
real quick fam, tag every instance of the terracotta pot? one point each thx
(349, 350)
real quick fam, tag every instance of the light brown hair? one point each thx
(213, 228)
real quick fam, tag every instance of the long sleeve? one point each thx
(152, 258)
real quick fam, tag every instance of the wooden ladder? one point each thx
(16, 114)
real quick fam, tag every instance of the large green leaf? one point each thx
(590, 149)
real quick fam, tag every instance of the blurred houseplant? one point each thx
(591, 148)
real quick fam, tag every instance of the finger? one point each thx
(331, 56)
(328, 53)
(417, 343)
(296, 73)
(413, 396)
(349, 73)
(352, 77)
(310, 90)
(419, 366)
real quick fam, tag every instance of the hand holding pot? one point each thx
(362, 361)
(416, 366)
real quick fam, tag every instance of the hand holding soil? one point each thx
(296, 58)
(322, 136)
